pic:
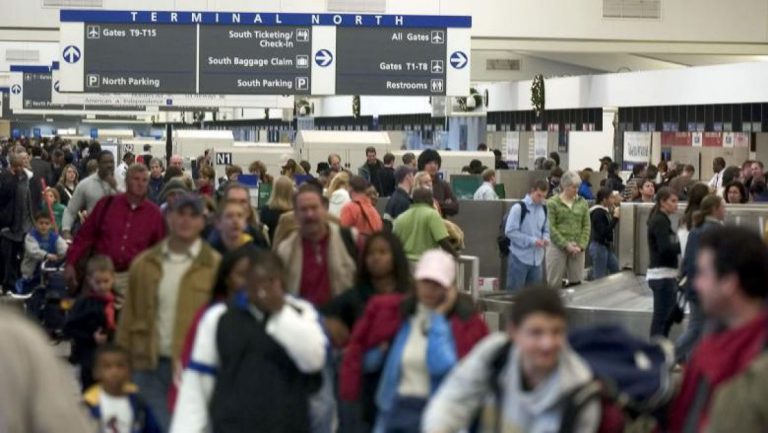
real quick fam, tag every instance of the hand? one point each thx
(99, 337)
(617, 213)
(70, 277)
(337, 330)
(66, 235)
(449, 302)
(269, 296)
(82, 215)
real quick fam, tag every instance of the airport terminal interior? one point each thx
(383, 216)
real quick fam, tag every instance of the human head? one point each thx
(489, 175)
(539, 191)
(172, 189)
(554, 156)
(282, 194)
(112, 369)
(233, 172)
(92, 166)
(637, 170)
(404, 177)
(647, 189)
(389, 159)
(689, 170)
(233, 272)
(736, 193)
(666, 201)
(383, 256)
(129, 158)
(100, 274)
(185, 218)
(370, 155)
(435, 274)
(712, 206)
(422, 195)
(311, 213)
(291, 168)
(538, 327)
(258, 168)
(207, 174)
(613, 168)
(156, 168)
(731, 271)
(662, 166)
(231, 219)
(482, 147)
(651, 172)
(106, 164)
(475, 166)
(52, 194)
(137, 181)
(147, 148)
(718, 164)
(334, 160)
(422, 179)
(585, 175)
(731, 174)
(358, 185)
(569, 183)
(240, 193)
(409, 159)
(554, 176)
(604, 196)
(605, 162)
(496, 155)
(757, 169)
(430, 161)
(341, 180)
(176, 161)
(267, 273)
(69, 175)
(306, 166)
(43, 222)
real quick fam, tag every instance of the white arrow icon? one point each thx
(71, 54)
(323, 58)
(458, 59)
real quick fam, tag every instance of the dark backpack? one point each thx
(502, 240)
(629, 372)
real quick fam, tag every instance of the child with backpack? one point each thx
(40, 244)
(114, 403)
(91, 321)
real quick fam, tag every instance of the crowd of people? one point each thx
(195, 312)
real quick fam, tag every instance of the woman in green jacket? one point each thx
(569, 231)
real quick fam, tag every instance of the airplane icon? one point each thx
(94, 32)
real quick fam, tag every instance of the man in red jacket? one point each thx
(119, 227)
(732, 268)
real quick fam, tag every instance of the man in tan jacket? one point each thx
(167, 285)
(320, 256)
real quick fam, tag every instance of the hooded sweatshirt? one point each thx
(338, 199)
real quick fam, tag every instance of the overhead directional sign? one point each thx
(231, 53)
(16, 89)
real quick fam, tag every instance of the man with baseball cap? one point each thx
(167, 286)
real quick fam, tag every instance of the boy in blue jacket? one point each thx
(114, 403)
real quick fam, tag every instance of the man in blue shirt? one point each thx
(528, 232)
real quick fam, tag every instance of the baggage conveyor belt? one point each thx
(622, 298)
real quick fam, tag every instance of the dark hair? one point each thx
(720, 161)
(636, 169)
(408, 157)
(695, 195)
(427, 156)
(707, 207)
(731, 174)
(358, 184)
(423, 196)
(603, 194)
(268, 264)
(482, 147)
(741, 252)
(220, 290)
(389, 158)
(103, 153)
(111, 349)
(742, 191)
(42, 215)
(651, 172)
(370, 149)
(757, 187)
(532, 300)
(556, 172)
(333, 155)
(172, 172)
(613, 168)
(554, 156)
(689, 168)
(306, 166)
(540, 185)
(305, 188)
(401, 267)
(662, 195)
(36, 151)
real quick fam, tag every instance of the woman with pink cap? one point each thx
(427, 333)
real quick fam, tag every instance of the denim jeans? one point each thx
(686, 342)
(153, 386)
(322, 404)
(604, 262)
(520, 275)
(664, 298)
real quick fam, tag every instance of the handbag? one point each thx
(80, 265)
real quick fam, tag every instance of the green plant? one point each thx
(476, 101)
(537, 94)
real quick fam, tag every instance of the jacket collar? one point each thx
(205, 258)
(92, 395)
(597, 206)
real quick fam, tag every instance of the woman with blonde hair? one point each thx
(67, 183)
(280, 202)
(338, 193)
(259, 169)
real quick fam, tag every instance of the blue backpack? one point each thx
(629, 372)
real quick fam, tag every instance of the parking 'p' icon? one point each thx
(92, 80)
